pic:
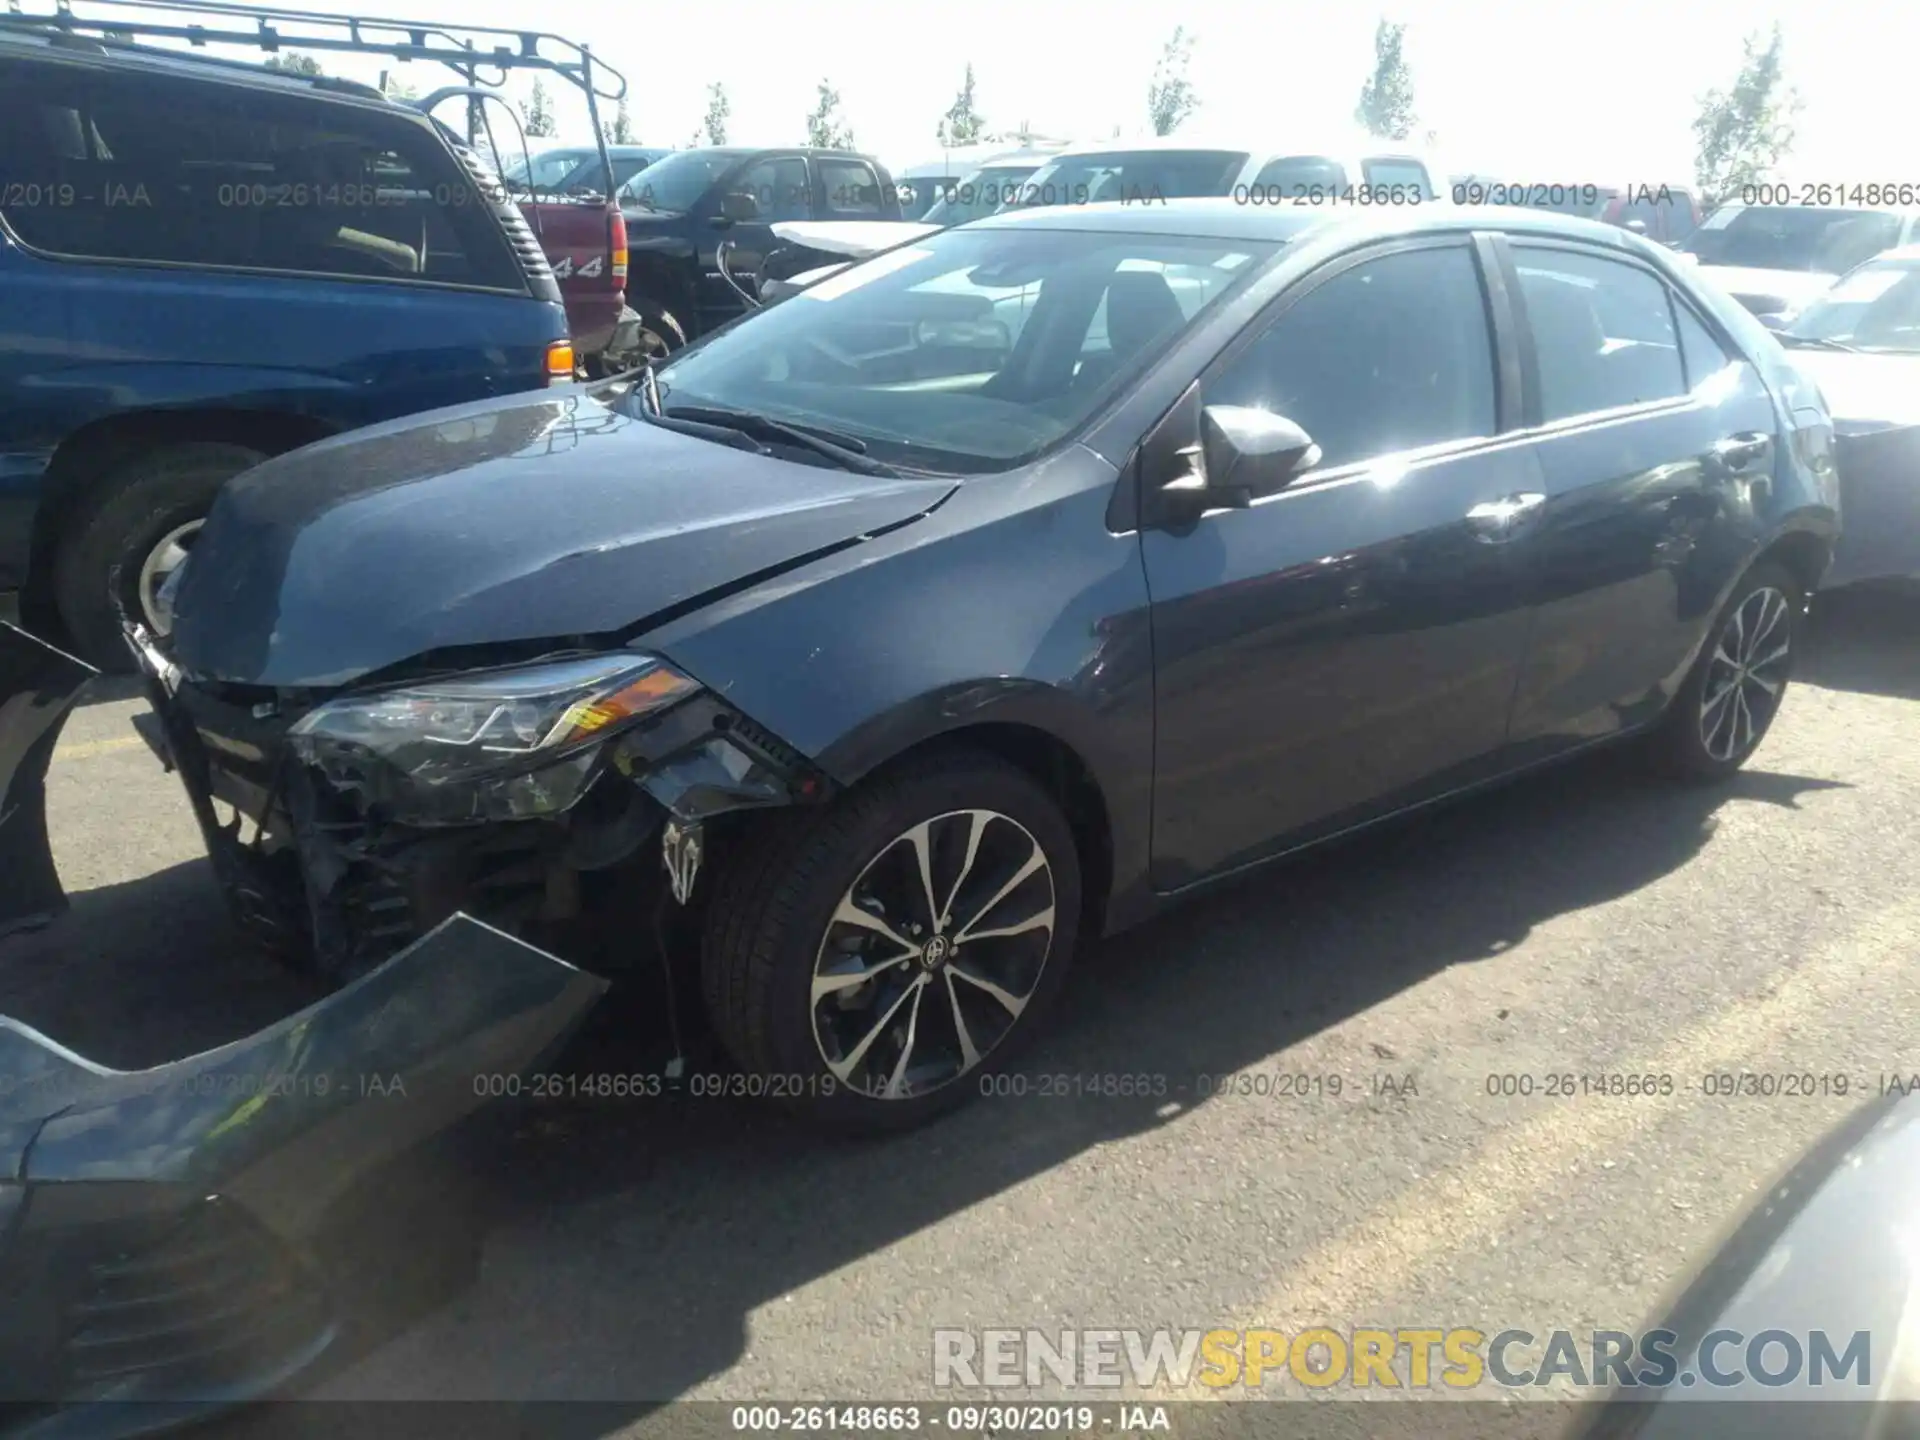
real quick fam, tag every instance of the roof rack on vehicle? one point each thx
(470, 51)
(465, 49)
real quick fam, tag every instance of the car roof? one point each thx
(1336, 147)
(1905, 254)
(1224, 218)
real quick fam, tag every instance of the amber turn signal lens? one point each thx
(559, 362)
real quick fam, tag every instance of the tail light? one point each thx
(617, 246)
(560, 363)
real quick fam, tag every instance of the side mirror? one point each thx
(1243, 454)
(1638, 227)
(738, 208)
(1772, 321)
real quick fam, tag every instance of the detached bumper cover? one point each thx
(156, 1248)
(156, 1226)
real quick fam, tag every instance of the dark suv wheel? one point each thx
(873, 963)
(112, 561)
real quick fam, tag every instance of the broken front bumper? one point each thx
(343, 882)
(157, 1227)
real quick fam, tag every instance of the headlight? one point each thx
(497, 745)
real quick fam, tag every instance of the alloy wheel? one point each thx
(167, 555)
(1746, 672)
(932, 954)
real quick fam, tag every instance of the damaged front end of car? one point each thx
(533, 792)
(163, 1232)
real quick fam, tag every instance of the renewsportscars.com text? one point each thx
(1437, 1358)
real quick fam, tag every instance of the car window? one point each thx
(1131, 176)
(1602, 332)
(1410, 173)
(779, 187)
(981, 193)
(139, 167)
(674, 183)
(1193, 288)
(1794, 237)
(1391, 355)
(967, 350)
(1680, 221)
(852, 190)
(1294, 177)
(1703, 355)
(1876, 307)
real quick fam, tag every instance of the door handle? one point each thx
(1498, 521)
(1739, 454)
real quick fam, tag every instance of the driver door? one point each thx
(782, 186)
(1350, 643)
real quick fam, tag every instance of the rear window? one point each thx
(980, 193)
(100, 164)
(1131, 177)
(1794, 237)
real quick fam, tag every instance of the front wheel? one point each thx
(873, 963)
(1733, 693)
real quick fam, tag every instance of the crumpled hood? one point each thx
(1794, 287)
(531, 518)
(1865, 392)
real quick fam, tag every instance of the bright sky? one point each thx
(1578, 90)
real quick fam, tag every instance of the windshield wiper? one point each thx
(847, 451)
(1815, 342)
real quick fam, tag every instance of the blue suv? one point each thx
(205, 263)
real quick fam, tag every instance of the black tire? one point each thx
(96, 567)
(769, 920)
(1694, 744)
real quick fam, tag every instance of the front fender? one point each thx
(1010, 604)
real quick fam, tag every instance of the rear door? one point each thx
(1350, 643)
(1652, 438)
(782, 185)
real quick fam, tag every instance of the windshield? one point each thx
(970, 350)
(550, 167)
(677, 181)
(981, 193)
(1137, 176)
(587, 176)
(1877, 307)
(1793, 237)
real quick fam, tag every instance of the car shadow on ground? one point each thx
(627, 1242)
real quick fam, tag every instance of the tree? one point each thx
(294, 63)
(1742, 134)
(713, 129)
(537, 114)
(1170, 97)
(1386, 100)
(825, 128)
(961, 125)
(619, 130)
(396, 89)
